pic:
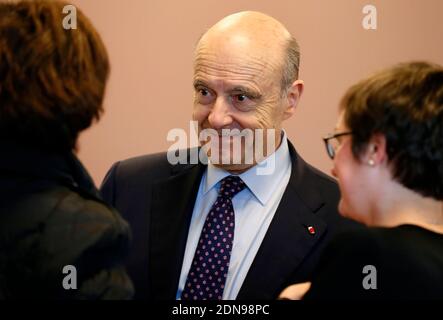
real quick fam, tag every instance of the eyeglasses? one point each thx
(332, 143)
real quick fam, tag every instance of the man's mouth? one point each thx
(224, 133)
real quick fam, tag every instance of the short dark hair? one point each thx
(405, 104)
(52, 80)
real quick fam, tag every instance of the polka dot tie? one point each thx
(207, 275)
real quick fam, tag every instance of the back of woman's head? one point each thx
(405, 104)
(52, 79)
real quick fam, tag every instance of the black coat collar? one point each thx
(27, 169)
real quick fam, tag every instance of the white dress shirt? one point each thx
(254, 209)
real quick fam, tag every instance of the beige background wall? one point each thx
(150, 43)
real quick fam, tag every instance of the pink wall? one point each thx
(151, 43)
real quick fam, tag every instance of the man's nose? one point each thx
(219, 116)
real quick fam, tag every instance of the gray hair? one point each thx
(291, 63)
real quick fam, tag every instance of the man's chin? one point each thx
(234, 168)
(226, 157)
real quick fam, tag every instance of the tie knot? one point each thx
(230, 186)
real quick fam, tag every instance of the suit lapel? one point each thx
(288, 240)
(171, 212)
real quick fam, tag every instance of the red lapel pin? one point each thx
(311, 229)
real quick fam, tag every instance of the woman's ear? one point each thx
(375, 153)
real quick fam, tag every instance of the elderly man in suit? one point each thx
(221, 230)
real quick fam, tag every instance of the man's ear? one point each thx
(375, 153)
(293, 95)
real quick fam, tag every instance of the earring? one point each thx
(371, 162)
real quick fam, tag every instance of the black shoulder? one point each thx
(343, 266)
(150, 167)
(81, 209)
(58, 228)
(95, 239)
(362, 241)
(379, 263)
(147, 162)
(77, 225)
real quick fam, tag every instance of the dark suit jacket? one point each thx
(157, 199)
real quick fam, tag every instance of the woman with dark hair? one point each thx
(58, 239)
(387, 150)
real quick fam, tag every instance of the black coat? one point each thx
(51, 216)
(403, 262)
(158, 198)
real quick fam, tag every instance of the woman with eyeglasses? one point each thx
(387, 152)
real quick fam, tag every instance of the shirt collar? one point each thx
(261, 185)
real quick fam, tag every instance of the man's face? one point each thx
(237, 87)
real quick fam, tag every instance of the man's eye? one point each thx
(204, 96)
(204, 92)
(241, 97)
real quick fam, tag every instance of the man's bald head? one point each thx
(245, 77)
(255, 32)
